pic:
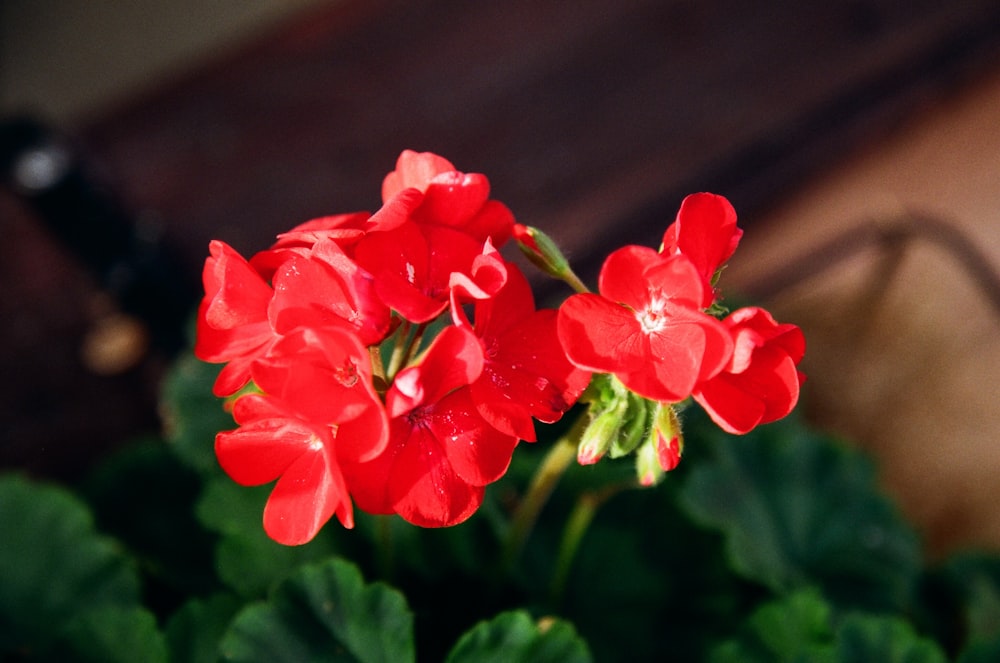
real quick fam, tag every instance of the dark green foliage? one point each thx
(775, 546)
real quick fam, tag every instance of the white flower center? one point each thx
(653, 318)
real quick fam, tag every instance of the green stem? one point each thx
(574, 281)
(559, 457)
(399, 349)
(384, 549)
(576, 526)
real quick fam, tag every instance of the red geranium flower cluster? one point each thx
(650, 327)
(343, 397)
(420, 431)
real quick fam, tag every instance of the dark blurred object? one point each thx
(94, 303)
(130, 260)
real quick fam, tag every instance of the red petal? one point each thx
(413, 169)
(623, 275)
(674, 278)
(325, 374)
(235, 293)
(705, 231)
(513, 303)
(599, 335)
(454, 198)
(477, 452)
(328, 288)
(364, 437)
(494, 222)
(260, 452)
(454, 359)
(767, 391)
(305, 498)
(527, 374)
(426, 490)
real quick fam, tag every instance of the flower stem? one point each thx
(574, 281)
(576, 526)
(559, 457)
(384, 550)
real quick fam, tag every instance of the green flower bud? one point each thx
(601, 432)
(543, 253)
(647, 468)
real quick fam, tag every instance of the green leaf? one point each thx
(195, 631)
(113, 634)
(144, 496)
(192, 414)
(960, 604)
(798, 509)
(796, 628)
(513, 637)
(973, 580)
(803, 628)
(981, 651)
(53, 565)
(886, 639)
(323, 613)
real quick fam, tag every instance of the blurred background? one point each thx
(858, 139)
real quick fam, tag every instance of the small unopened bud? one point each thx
(661, 451)
(599, 436)
(668, 452)
(647, 467)
(543, 253)
(666, 437)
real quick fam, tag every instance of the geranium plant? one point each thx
(498, 470)
(394, 361)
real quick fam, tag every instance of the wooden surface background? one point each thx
(591, 119)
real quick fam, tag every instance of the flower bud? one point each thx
(661, 450)
(541, 250)
(543, 253)
(647, 468)
(666, 437)
(635, 424)
(601, 432)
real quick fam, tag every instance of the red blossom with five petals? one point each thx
(646, 327)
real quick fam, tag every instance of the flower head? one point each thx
(319, 411)
(646, 327)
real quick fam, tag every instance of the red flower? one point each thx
(233, 324)
(760, 383)
(705, 231)
(415, 268)
(320, 412)
(322, 287)
(646, 326)
(525, 373)
(343, 229)
(441, 453)
(451, 198)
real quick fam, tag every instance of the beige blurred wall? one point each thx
(69, 59)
